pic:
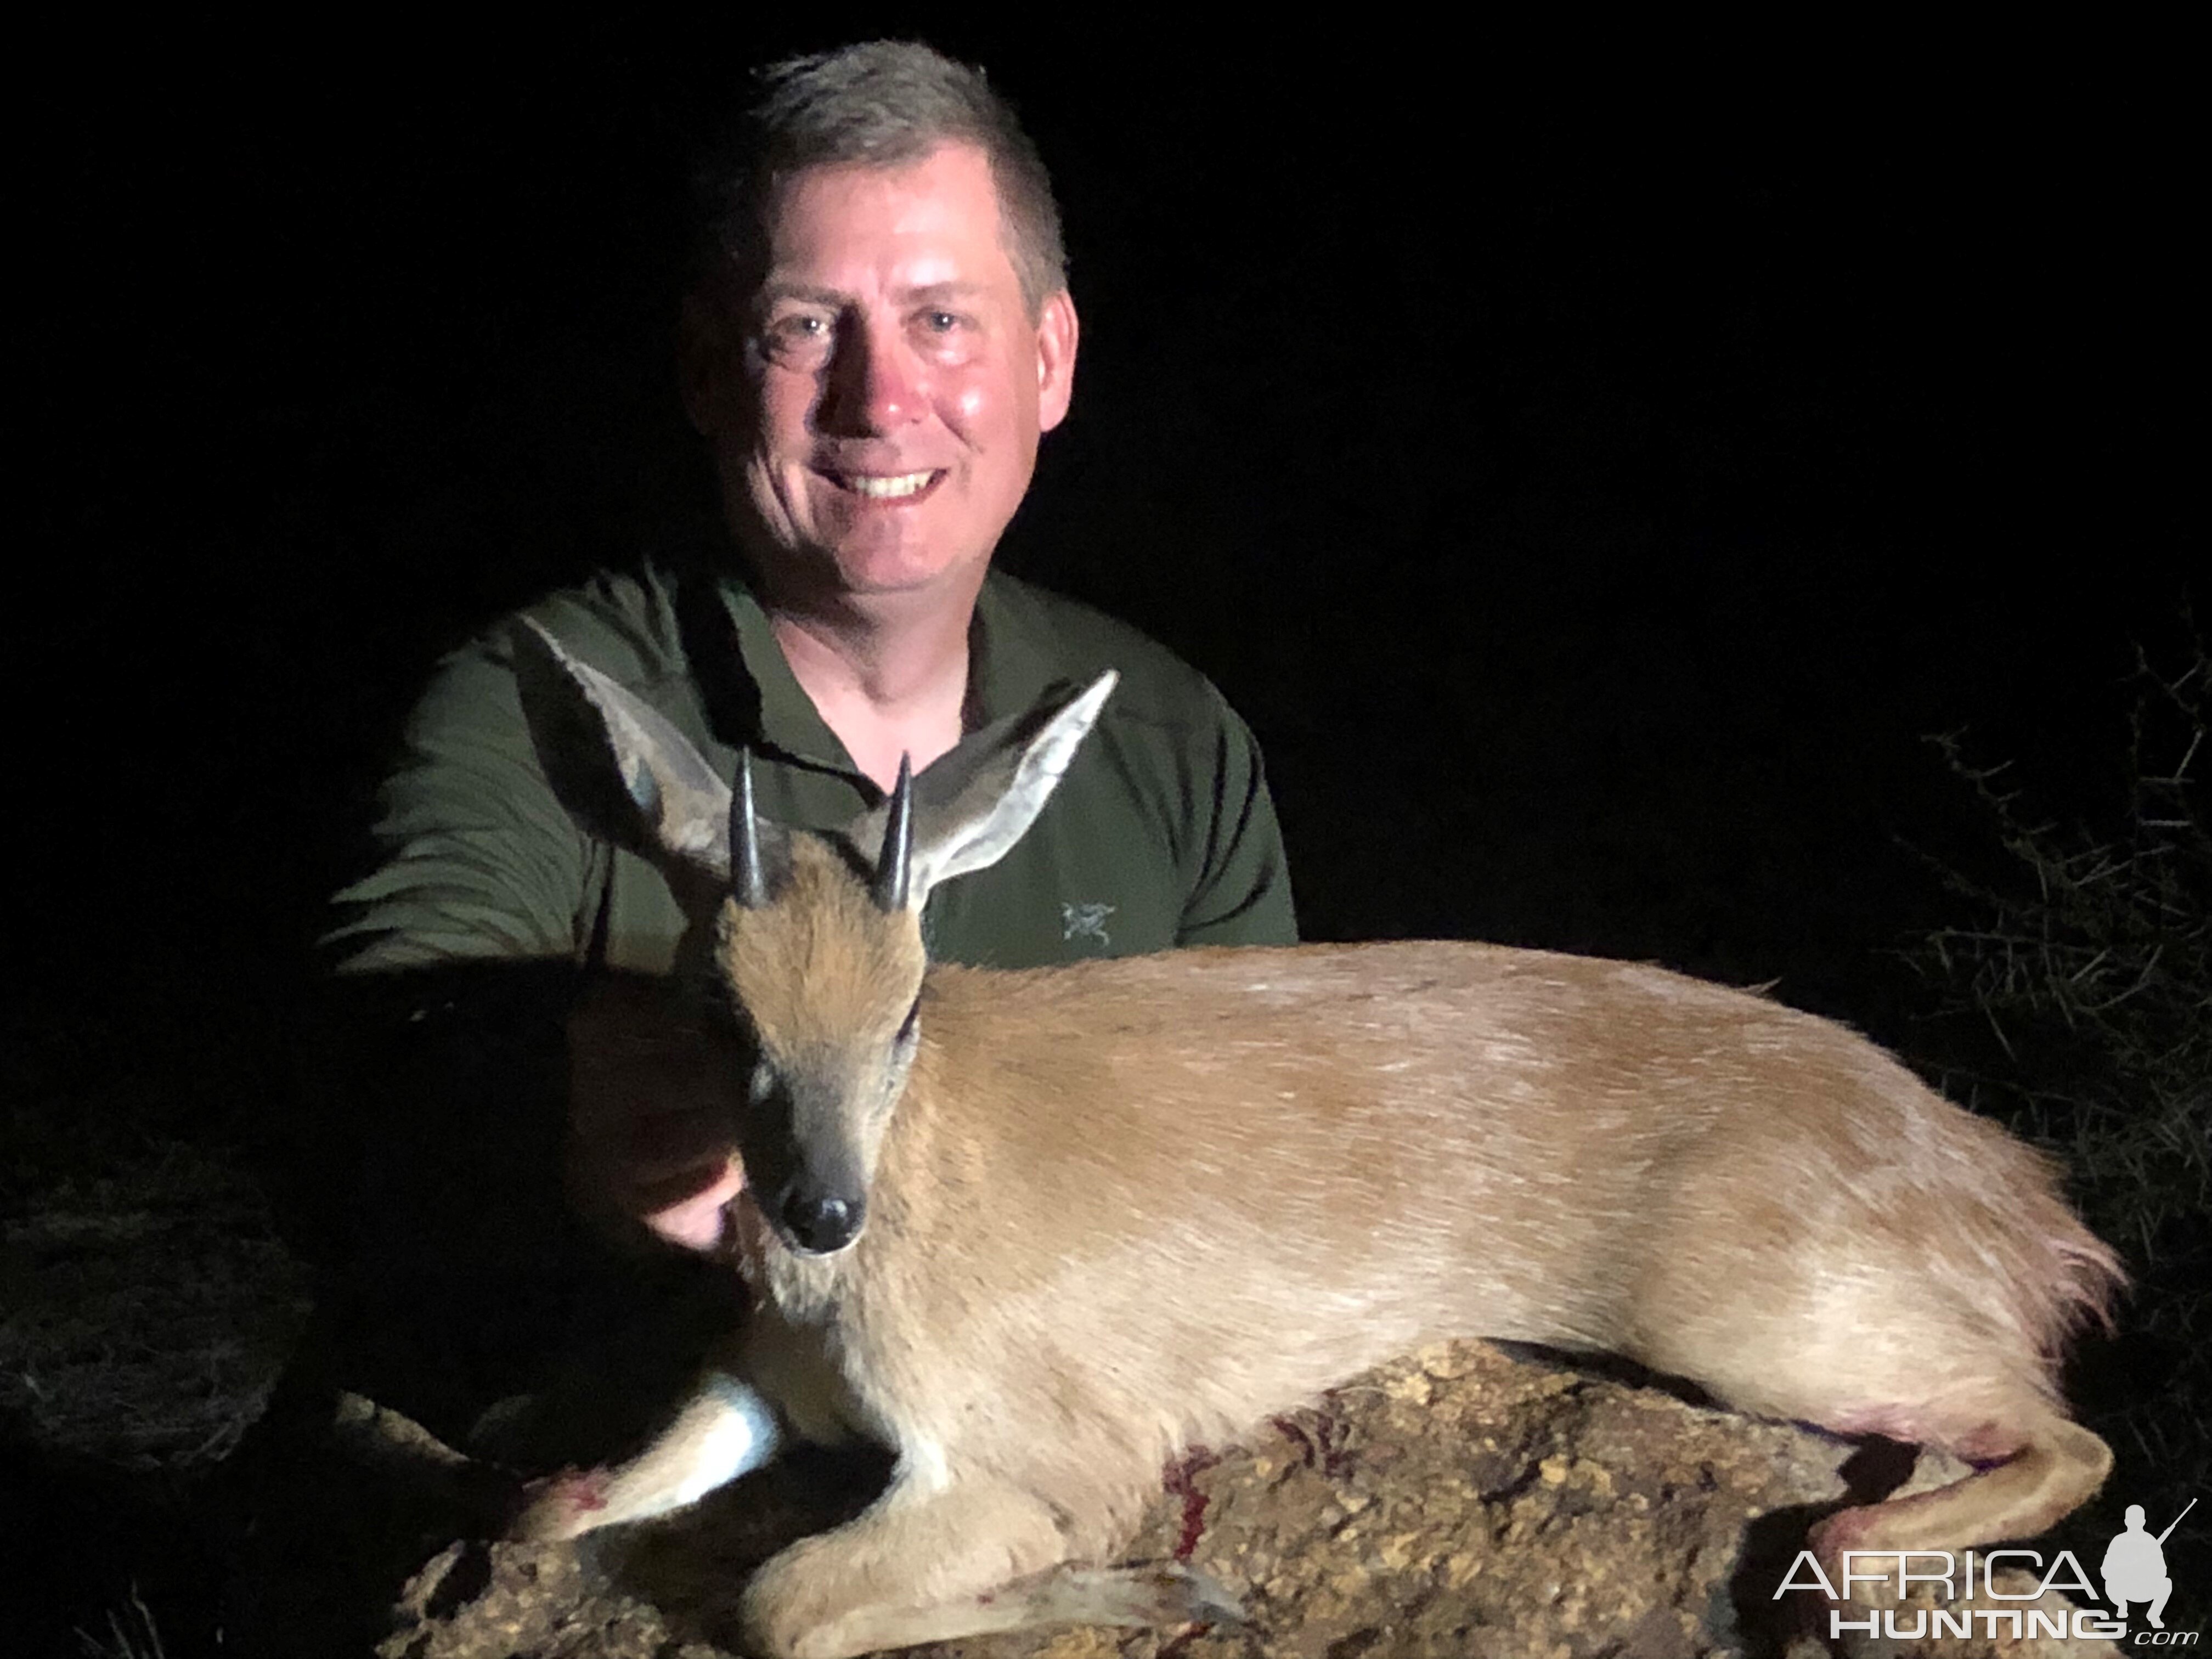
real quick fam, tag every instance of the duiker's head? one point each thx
(817, 963)
(811, 944)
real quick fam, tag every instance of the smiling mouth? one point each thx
(886, 486)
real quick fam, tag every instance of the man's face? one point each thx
(884, 425)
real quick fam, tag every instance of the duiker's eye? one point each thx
(912, 1023)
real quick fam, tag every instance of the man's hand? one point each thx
(651, 1115)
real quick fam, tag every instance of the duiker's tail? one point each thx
(2057, 1276)
(2028, 1266)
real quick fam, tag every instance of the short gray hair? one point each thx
(881, 103)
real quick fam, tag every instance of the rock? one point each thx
(1458, 1504)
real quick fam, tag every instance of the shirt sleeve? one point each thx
(473, 857)
(1244, 894)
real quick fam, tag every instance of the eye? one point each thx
(912, 1024)
(943, 330)
(798, 336)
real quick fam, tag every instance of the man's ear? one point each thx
(1056, 333)
(702, 358)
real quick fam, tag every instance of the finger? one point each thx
(719, 1182)
(696, 1222)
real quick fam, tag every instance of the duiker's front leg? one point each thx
(935, 1565)
(723, 1430)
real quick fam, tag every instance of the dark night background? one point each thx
(1590, 490)
(1589, 494)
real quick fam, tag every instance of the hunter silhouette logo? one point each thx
(2134, 1567)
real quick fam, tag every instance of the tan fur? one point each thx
(1109, 1210)
(1125, 1207)
(827, 975)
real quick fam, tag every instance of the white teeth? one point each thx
(884, 489)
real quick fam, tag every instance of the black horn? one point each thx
(748, 880)
(890, 888)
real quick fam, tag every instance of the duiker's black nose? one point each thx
(820, 1223)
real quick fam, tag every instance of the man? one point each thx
(882, 335)
(2133, 1568)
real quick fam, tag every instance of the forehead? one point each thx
(936, 219)
(820, 965)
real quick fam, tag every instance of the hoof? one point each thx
(1140, 1597)
(1186, 1595)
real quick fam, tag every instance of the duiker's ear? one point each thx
(975, 802)
(670, 807)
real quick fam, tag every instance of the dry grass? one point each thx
(2088, 977)
(144, 1313)
(131, 1633)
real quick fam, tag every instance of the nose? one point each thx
(821, 1223)
(877, 383)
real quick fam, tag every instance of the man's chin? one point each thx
(889, 573)
(866, 563)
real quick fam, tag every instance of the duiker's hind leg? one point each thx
(2051, 1467)
(966, 1559)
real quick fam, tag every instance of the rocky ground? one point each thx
(1460, 1504)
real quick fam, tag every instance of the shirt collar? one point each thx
(1009, 670)
(1011, 664)
(788, 721)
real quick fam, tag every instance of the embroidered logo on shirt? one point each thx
(1086, 922)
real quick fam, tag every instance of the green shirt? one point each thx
(1161, 834)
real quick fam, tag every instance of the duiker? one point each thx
(1035, 1231)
